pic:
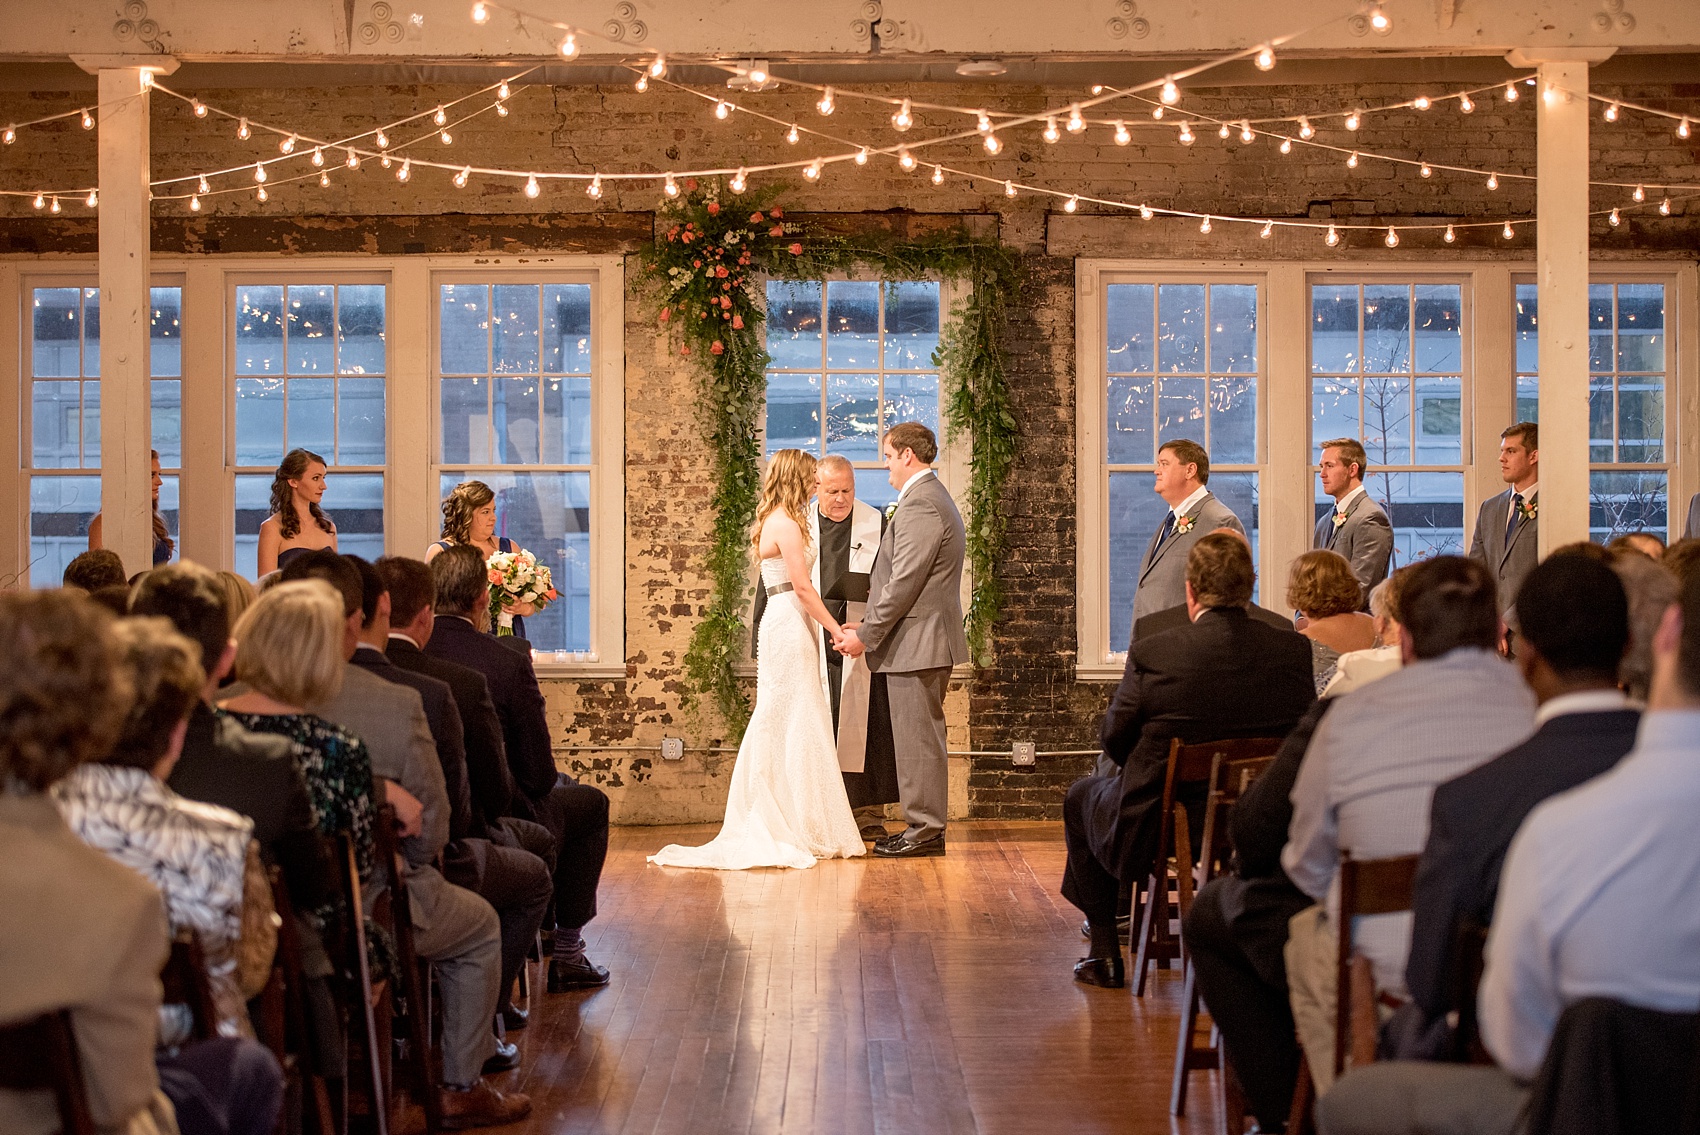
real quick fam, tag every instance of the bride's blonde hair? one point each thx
(788, 485)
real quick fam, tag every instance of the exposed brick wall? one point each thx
(1029, 692)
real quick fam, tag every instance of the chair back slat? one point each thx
(1367, 887)
(422, 1057)
(185, 982)
(1229, 778)
(41, 1055)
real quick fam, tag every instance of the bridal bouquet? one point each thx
(517, 577)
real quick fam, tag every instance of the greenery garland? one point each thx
(703, 270)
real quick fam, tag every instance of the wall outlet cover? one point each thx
(672, 749)
(1023, 753)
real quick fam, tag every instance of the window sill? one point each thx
(1099, 672)
(579, 671)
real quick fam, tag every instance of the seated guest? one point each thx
(238, 594)
(1367, 777)
(575, 814)
(1646, 543)
(95, 938)
(1360, 667)
(93, 570)
(1651, 590)
(1222, 675)
(206, 866)
(512, 880)
(255, 774)
(1575, 628)
(454, 928)
(1682, 559)
(1595, 900)
(1327, 596)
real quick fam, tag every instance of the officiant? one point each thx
(847, 535)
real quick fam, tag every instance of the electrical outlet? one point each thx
(672, 749)
(1023, 753)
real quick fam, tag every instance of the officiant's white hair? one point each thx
(834, 463)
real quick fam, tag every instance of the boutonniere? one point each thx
(1183, 524)
(1339, 519)
(891, 510)
(1529, 508)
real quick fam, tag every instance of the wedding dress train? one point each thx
(787, 806)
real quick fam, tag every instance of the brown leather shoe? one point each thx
(482, 1106)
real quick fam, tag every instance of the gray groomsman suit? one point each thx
(1509, 560)
(1162, 573)
(913, 634)
(1365, 539)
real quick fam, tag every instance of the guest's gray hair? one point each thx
(1651, 589)
(834, 463)
(1378, 597)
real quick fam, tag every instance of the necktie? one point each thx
(1511, 520)
(1168, 527)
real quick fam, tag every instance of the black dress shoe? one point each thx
(505, 1060)
(582, 974)
(1124, 927)
(1103, 972)
(902, 847)
(514, 1019)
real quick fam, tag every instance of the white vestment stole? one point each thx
(854, 676)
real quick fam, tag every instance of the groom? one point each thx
(912, 632)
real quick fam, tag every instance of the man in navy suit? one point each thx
(1575, 629)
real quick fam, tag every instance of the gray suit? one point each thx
(1162, 573)
(1693, 530)
(1509, 561)
(1365, 539)
(913, 632)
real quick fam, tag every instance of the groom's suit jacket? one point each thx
(1365, 539)
(914, 617)
(1162, 573)
(1509, 561)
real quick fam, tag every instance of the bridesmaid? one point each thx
(297, 488)
(469, 517)
(163, 545)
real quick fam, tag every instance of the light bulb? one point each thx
(501, 110)
(1122, 136)
(903, 119)
(1640, 194)
(1223, 130)
(259, 171)
(1353, 120)
(1611, 112)
(1379, 20)
(353, 160)
(938, 175)
(993, 146)
(194, 204)
(1426, 170)
(1268, 229)
(531, 187)
(1465, 105)
(88, 124)
(446, 138)
(1391, 240)
(737, 183)
(642, 84)
(670, 187)
(906, 159)
(1352, 162)
(1664, 207)
(1265, 58)
(1071, 204)
(200, 108)
(1614, 220)
(1450, 236)
(406, 170)
(242, 130)
(1333, 237)
(203, 187)
(658, 66)
(1145, 213)
(793, 136)
(1511, 92)
(262, 194)
(92, 199)
(1051, 133)
(1507, 232)
(503, 91)
(1421, 102)
(1682, 130)
(383, 140)
(1286, 145)
(722, 110)
(1009, 189)
(825, 105)
(1493, 181)
(758, 77)
(318, 157)
(569, 46)
(1306, 130)
(594, 189)
(862, 156)
(441, 116)
(39, 201)
(982, 123)
(1157, 112)
(812, 170)
(384, 160)
(480, 13)
(324, 180)
(1170, 94)
(287, 146)
(1076, 123)
(1186, 136)
(1204, 225)
(1246, 134)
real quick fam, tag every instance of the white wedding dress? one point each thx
(787, 806)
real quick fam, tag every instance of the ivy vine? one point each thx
(703, 271)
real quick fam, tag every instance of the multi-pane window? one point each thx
(1387, 367)
(1181, 361)
(64, 416)
(1628, 363)
(309, 362)
(514, 365)
(849, 359)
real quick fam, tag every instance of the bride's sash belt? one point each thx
(778, 589)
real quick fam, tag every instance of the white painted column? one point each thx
(126, 505)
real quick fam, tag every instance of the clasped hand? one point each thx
(847, 643)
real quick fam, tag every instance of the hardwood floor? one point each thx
(869, 996)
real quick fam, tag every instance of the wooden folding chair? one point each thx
(281, 1024)
(363, 1022)
(1228, 779)
(1469, 949)
(1367, 887)
(1189, 768)
(41, 1055)
(185, 982)
(421, 1057)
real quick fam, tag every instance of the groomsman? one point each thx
(1355, 527)
(1693, 529)
(1183, 470)
(1508, 525)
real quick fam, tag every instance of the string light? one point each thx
(1076, 123)
(758, 76)
(53, 206)
(1421, 102)
(503, 90)
(1493, 181)
(318, 157)
(1353, 120)
(1379, 19)
(263, 195)
(1265, 58)
(1450, 236)
(352, 161)
(39, 201)
(203, 187)
(88, 124)
(594, 189)
(1465, 105)
(1009, 189)
(993, 146)
(1639, 195)
(825, 105)
(938, 175)
(1122, 135)
(794, 136)
(812, 170)
(242, 130)
(384, 160)
(658, 66)
(1224, 131)
(642, 83)
(259, 172)
(1051, 133)
(1664, 207)
(1511, 92)
(722, 110)
(287, 146)
(194, 204)
(1204, 225)
(1611, 112)
(903, 119)
(862, 156)
(1268, 229)
(1507, 232)
(737, 183)
(1246, 134)
(502, 110)
(1352, 162)
(1170, 94)
(1306, 130)
(1426, 170)
(324, 180)
(906, 159)
(670, 186)
(983, 123)
(1682, 130)
(1071, 204)
(93, 198)
(383, 140)
(569, 46)
(1286, 145)
(446, 138)
(531, 187)
(1391, 240)
(1146, 213)
(1157, 112)
(199, 107)
(480, 13)
(1614, 220)
(1186, 135)
(1333, 237)
(441, 117)
(406, 170)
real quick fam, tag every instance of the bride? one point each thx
(787, 806)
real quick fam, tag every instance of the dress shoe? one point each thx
(902, 847)
(505, 1060)
(1124, 927)
(582, 974)
(514, 1019)
(482, 1106)
(875, 833)
(1103, 972)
